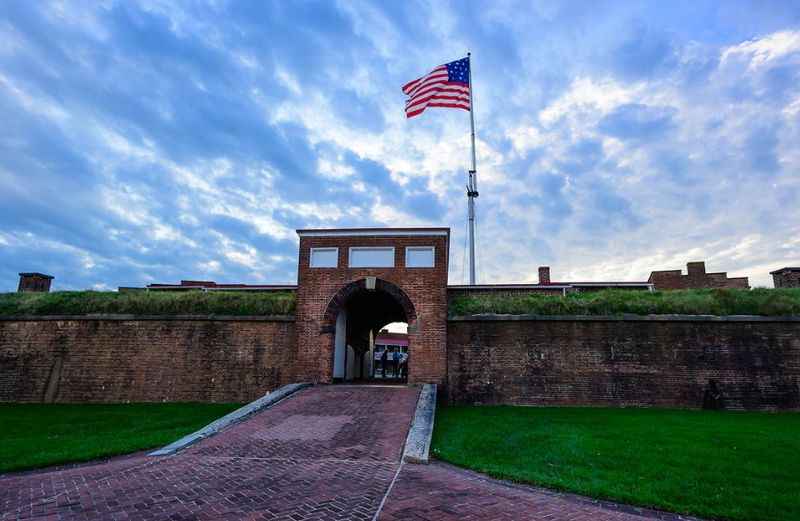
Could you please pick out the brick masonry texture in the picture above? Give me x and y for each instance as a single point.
(445, 493)
(728, 364)
(105, 360)
(425, 287)
(786, 278)
(36, 282)
(695, 278)
(669, 363)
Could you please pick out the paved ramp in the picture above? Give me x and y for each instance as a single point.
(328, 452)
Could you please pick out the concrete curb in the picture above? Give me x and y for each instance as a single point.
(231, 418)
(418, 441)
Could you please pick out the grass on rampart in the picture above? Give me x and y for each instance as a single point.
(40, 435)
(717, 465)
(767, 302)
(148, 303)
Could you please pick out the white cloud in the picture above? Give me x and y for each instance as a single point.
(587, 95)
(212, 266)
(759, 52)
(36, 104)
(288, 80)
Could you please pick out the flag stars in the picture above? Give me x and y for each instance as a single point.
(458, 71)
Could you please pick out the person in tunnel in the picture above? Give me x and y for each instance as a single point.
(383, 362)
(404, 366)
(396, 356)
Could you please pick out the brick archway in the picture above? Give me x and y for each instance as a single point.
(341, 298)
(353, 317)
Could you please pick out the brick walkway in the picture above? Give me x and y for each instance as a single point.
(442, 492)
(328, 452)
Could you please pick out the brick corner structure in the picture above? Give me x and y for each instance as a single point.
(352, 282)
(695, 278)
(34, 282)
(786, 277)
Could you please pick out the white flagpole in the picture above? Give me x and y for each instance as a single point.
(472, 182)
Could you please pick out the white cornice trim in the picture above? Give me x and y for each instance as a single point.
(373, 233)
(622, 284)
(509, 286)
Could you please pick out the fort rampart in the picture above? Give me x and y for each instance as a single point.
(144, 359)
(748, 363)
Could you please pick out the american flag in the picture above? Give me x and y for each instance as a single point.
(445, 86)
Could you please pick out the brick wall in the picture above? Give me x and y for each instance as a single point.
(751, 363)
(786, 278)
(665, 362)
(34, 282)
(425, 287)
(696, 278)
(116, 360)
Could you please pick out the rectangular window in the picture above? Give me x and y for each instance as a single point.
(420, 256)
(366, 257)
(324, 257)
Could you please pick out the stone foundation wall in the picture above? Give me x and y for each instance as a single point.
(687, 362)
(140, 359)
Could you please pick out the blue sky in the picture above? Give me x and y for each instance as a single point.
(149, 142)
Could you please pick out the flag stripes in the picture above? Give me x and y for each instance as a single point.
(446, 86)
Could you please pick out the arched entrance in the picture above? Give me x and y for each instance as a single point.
(356, 314)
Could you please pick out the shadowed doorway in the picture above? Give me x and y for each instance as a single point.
(360, 311)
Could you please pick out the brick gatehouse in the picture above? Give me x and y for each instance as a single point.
(352, 282)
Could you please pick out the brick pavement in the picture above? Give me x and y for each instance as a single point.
(328, 452)
(443, 492)
(338, 465)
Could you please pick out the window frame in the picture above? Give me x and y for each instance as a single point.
(326, 248)
(369, 248)
(418, 248)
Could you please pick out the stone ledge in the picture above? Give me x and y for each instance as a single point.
(229, 419)
(120, 317)
(494, 317)
(418, 441)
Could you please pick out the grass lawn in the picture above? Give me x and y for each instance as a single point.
(725, 465)
(148, 303)
(39, 435)
(761, 301)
